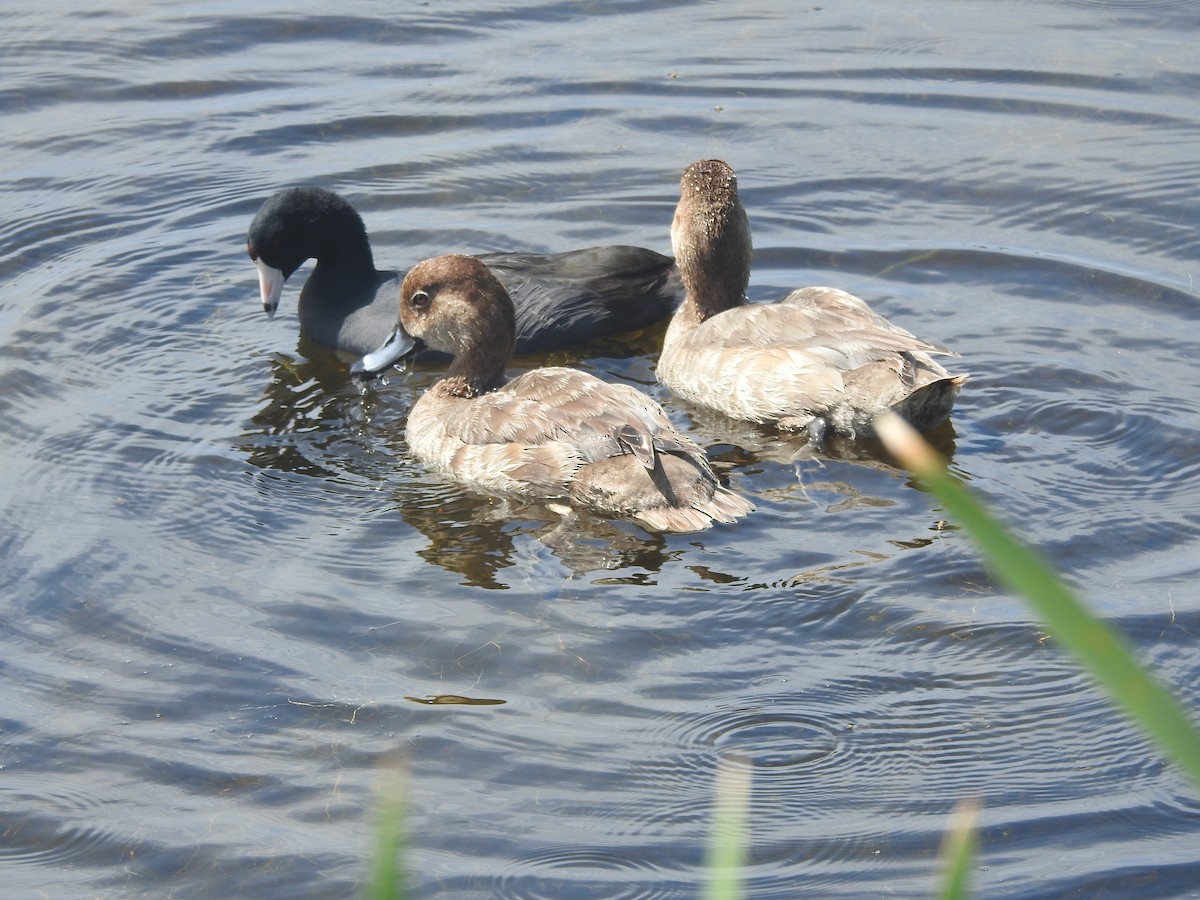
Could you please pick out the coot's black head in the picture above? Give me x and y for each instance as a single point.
(302, 223)
(298, 224)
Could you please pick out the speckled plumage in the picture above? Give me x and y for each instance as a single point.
(818, 359)
(550, 434)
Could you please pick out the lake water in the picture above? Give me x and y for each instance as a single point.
(228, 592)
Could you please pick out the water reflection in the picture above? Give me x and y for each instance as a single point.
(477, 537)
(761, 443)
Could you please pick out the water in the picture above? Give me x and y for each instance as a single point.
(225, 583)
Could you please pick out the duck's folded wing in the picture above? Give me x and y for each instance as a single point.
(822, 323)
(831, 311)
(559, 406)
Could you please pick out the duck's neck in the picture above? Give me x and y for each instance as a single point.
(477, 368)
(712, 249)
(700, 305)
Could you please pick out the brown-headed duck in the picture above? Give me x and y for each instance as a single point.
(553, 434)
(817, 360)
(562, 299)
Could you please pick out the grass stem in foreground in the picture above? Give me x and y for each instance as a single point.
(958, 850)
(1073, 626)
(727, 841)
(387, 881)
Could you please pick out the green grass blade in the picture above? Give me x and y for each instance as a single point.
(387, 882)
(1092, 642)
(727, 841)
(958, 851)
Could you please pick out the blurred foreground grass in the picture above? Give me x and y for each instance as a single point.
(1072, 625)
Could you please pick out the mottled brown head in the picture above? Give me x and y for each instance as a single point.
(456, 305)
(711, 237)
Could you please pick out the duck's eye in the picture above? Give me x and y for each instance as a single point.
(419, 300)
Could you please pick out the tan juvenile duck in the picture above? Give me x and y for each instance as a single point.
(552, 434)
(818, 359)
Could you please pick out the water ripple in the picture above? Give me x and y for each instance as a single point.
(42, 840)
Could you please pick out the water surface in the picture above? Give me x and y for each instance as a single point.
(225, 581)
